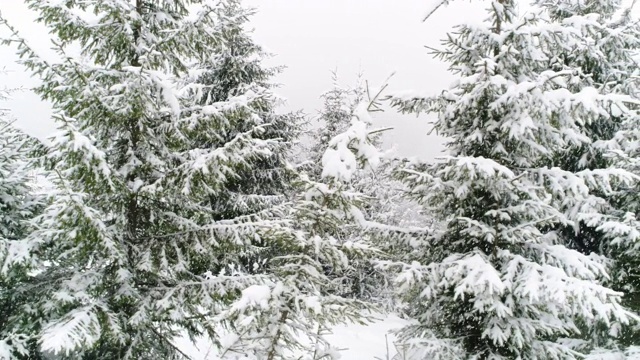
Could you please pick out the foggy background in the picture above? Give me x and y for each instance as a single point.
(311, 38)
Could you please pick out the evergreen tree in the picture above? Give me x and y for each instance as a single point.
(294, 315)
(338, 106)
(623, 245)
(126, 237)
(608, 63)
(19, 204)
(495, 280)
(131, 253)
(611, 40)
(383, 206)
(235, 68)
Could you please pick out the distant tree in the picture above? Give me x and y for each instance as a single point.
(338, 106)
(383, 205)
(289, 319)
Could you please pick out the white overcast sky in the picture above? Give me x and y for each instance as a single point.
(310, 37)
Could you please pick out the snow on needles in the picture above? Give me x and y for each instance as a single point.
(340, 160)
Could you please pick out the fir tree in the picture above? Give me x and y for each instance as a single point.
(128, 237)
(289, 319)
(495, 281)
(131, 251)
(382, 204)
(607, 59)
(19, 204)
(338, 106)
(623, 245)
(611, 40)
(234, 69)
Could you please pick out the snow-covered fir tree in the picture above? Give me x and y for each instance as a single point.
(235, 68)
(606, 59)
(382, 203)
(611, 39)
(495, 280)
(130, 252)
(623, 246)
(19, 204)
(338, 106)
(291, 319)
(127, 237)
